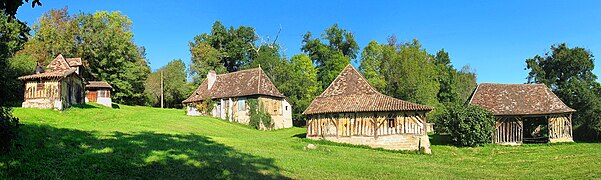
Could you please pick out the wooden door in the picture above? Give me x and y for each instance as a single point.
(92, 96)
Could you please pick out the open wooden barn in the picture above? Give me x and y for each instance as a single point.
(525, 113)
(351, 111)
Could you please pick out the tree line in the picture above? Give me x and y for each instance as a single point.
(404, 70)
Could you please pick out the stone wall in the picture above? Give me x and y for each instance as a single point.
(228, 110)
(192, 111)
(43, 104)
(392, 142)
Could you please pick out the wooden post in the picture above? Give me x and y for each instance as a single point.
(161, 89)
(571, 126)
(308, 127)
(375, 128)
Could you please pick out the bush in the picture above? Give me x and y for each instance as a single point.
(8, 128)
(258, 115)
(469, 125)
(205, 106)
(587, 125)
(438, 117)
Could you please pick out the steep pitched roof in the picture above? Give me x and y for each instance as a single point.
(518, 99)
(350, 92)
(61, 73)
(74, 62)
(58, 68)
(59, 63)
(236, 84)
(98, 84)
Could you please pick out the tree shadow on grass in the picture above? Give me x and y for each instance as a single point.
(84, 106)
(53, 153)
(301, 135)
(437, 139)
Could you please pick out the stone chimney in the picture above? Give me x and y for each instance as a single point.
(211, 78)
(38, 68)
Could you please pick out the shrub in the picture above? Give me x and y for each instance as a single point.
(205, 106)
(587, 125)
(258, 115)
(8, 128)
(469, 125)
(437, 116)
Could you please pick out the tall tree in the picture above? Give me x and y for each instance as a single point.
(447, 76)
(372, 58)
(297, 78)
(12, 37)
(332, 57)
(301, 85)
(105, 43)
(175, 88)
(569, 74)
(9, 7)
(222, 50)
(465, 83)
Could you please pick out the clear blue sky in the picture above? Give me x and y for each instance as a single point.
(493, 37)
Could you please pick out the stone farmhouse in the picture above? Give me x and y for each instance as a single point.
(231, 90)
(525, 113)
(56, 88)
(352, 111)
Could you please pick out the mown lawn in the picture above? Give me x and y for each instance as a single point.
(148, 143)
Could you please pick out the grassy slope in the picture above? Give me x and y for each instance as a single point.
(143, 142)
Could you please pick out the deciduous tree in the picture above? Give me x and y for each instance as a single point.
(105, 43)
(222, 50)
(175, 88)
(569, 74)
(332, 57)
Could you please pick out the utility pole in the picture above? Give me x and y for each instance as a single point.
(161, 89)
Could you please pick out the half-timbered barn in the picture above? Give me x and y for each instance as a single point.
(58, 87)
(231, 91)
(525, 113)
(352, 111)
(99, 92)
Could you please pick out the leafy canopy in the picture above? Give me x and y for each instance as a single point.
(105, 43)
(223, 50)
(568, 72)
(175, 86)
(332, 57)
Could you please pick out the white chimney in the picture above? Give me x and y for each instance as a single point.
(211, 77)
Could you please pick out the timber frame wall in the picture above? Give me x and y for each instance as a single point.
(366, 124)
(510, 129)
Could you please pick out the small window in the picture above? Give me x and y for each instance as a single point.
(40, 85)
(286, 108)
(391, 123)
(241, 104)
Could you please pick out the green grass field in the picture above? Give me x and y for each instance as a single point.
(148, 143)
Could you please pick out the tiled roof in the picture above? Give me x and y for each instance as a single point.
(518, 99)
(50, 74)
(98, 84)
(350, 92)
(59, 63)
(236, 84)
(58, 68)
(73, 62)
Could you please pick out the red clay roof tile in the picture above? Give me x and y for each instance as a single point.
(236, 84)
(350, 92)
(518, 99)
